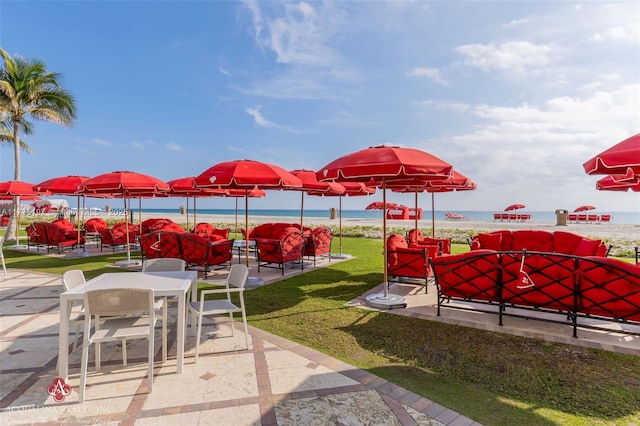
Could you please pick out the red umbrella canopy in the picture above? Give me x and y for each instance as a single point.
(352, 189)
(15, 188)
(124, 183)
(584, 208)
(385, 162)
(247, 174)
(610, 183)
(310, 182)
(185, 187)
(514, 207)
(379, 205)
(620, 159)
(65, 185)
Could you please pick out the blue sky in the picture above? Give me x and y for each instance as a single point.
(515, 95)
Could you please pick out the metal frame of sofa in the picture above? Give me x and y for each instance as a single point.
(288, 249)
(572, 286)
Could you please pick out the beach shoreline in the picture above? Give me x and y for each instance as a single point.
(608, 231)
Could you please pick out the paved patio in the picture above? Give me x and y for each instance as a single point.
(275, 382)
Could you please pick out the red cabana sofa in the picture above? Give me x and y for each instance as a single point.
(273, 230)
(528, 271)
(116, 236)
(278, 250)
(58, 235)
(194, 249)
(155, 224)
(419, 239)
(210, 232)
(405, 261)
(318, 243)
(95, 224)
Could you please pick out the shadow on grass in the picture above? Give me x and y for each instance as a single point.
(520, 378)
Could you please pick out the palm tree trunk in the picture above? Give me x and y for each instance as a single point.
(12, 226)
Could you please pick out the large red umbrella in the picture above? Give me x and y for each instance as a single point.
(247, 175)
(310, 183)
(621, 159)
(379, 205)
(351, 189)
(184, 187)
(584, 208)
(610, 183)
(123, 184)
(383, 164)
(16, 189)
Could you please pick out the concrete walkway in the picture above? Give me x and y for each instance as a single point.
(275, 382)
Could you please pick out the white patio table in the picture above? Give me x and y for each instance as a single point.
(163, 284)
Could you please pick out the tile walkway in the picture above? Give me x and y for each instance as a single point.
(275, 382)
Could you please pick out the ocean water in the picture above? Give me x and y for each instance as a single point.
(623, 218)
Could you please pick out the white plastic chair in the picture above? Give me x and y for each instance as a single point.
(119, 314)
(235, 283)
(164, 264)
(4, 267)
(72, 279)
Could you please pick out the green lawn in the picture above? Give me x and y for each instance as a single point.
(493, 378)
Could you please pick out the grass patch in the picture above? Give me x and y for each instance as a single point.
(493, 378)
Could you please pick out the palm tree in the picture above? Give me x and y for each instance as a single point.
(6, 134)
(28, 89)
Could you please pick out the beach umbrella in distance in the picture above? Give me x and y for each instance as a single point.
(351, 189)
(610, 183)
(380, 165)
(584, 208)
(379, 205)
(621, 159)
(512, 207)
(16, 189)
(247, 175)
(125, 185)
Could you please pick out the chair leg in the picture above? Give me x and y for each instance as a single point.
(83, 368)
(164, 330)
(97, 350)
(198, 332)
(124, 352)
(231, 322)
(150, 358)
(246, 329)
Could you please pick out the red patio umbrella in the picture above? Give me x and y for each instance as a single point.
(621, 159)
(379, 205)
(125, 185)
(514, 207)
(584, 208)
(310, 183)
(457, 182)
(351, 189)
(383, 164)
(247, 175)
(610, 183)
(184, 187)
(15, 189)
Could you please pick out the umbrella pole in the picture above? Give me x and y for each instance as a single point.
(236, 228)
(433, 215)
(188, 213)
(416, 217)
(340, 221)
(385, 300)
(194, 213)
(126, 223)
(384, 236)
(246, 222)
(301, 208)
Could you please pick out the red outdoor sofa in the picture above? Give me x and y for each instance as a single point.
(60, 234)
(524, 272)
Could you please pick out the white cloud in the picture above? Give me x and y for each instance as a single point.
(101, 142)
(453, 106)
(511, 57)
(431, 73)
(223, 71)
(619, 33)
(172, 146)
(137, 145)
(259, 119)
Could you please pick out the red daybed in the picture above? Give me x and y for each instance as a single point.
(116, 236)
(288, 247)
(405, 261)
(54, 235)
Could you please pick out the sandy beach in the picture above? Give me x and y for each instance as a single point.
(609, 231)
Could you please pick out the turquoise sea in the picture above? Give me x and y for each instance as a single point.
(626, 218)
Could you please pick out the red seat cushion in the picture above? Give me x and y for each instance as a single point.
(532, 240)
(490, 241)
(587, 247)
